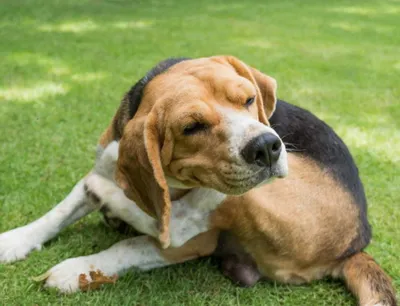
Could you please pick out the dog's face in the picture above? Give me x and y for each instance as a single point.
(214, 137)
(202, 123)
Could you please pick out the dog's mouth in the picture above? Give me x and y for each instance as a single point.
(231, 178)
(243, 183)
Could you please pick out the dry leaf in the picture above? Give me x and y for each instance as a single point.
(98, 279)
(41, 277)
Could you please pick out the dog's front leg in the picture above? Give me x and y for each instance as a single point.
(18, 243)
(189, 215)
(142, 253)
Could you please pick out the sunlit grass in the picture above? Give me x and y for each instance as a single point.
(35, 93)
(65, 65)
(73, 27)
(90, 25)
(131, 24)
(366, 10)
(88, 77)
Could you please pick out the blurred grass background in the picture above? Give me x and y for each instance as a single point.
(64, 65)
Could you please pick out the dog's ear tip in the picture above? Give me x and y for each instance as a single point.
(164, 239)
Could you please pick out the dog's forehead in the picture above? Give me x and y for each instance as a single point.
(200, 80)
(202, 68)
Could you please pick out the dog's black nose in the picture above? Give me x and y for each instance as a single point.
(263, 150)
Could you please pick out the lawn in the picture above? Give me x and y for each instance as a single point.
(65, 65)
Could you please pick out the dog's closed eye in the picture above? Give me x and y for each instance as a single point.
(250, 101)
(194, 128)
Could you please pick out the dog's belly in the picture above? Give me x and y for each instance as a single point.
(295, 228)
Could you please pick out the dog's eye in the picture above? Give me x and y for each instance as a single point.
(194, 128)
(249, 101)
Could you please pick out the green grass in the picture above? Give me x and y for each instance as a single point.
(65, 64)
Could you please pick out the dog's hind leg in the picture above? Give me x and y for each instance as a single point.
(16, 244)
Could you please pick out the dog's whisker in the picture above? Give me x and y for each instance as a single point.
(284, 136)
(290, 145)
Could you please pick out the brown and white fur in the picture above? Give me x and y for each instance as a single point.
(180, 164)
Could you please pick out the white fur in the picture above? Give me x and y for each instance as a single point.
(241, 129)
(18, 243)
(139, 252)
(190, 214)
(120, 206)
(189, 217)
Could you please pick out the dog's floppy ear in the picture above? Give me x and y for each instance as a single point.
(140, 173)
(266, 87)
(139, 168)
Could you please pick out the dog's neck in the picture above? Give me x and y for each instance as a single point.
(205, 199)
(176, 188)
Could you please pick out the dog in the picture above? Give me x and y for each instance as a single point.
(202, 159)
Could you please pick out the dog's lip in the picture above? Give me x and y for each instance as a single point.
(248, 182)
(258, 178)
(241, 179)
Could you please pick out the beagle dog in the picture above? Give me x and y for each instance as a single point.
(201, 158)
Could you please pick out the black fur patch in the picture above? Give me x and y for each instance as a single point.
(304, 133)
(136, 92)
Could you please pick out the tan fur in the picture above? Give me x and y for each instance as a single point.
(116, 128)
(367, 280)
(145, 153)
(266, 86)
(107, 137)
(199, 246)
(296, 232)
(140, 172)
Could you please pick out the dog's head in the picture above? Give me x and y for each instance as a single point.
(200, 123)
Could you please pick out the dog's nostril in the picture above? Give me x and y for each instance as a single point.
(263, 150)
(276, 147)
(260, 155)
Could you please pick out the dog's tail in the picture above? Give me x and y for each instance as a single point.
(366, 279)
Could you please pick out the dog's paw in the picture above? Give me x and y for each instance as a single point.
(65, 275)
(77, 274)
(17, 244)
